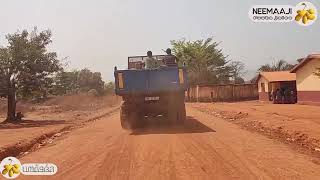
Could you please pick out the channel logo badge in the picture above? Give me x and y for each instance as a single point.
(10, 167)
(306, 13)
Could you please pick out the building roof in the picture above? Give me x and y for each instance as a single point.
(305, 61)
(229, 84)
(277, 76)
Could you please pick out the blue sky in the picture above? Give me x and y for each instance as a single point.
(102, 34)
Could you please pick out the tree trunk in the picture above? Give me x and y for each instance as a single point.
(11, 113)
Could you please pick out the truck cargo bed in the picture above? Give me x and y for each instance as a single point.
(150, 81)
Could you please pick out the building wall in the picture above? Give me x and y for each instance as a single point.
(266, 84)
(223, 92)
(263, 93)
(308, 84)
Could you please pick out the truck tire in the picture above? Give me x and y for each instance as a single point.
(124, 116)
(172, 109)
(176, 109)
(181, 114)
(130, 116)
(136, 120)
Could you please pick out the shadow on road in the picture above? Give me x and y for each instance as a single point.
(31, 123)
(191, 125)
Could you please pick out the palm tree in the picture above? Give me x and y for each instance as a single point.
(280, 65)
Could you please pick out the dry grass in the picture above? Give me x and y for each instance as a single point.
(83, 102)
(60, 104)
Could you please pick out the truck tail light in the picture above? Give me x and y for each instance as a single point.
(120, 81)
(181, 77)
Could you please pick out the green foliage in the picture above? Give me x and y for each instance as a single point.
(3, 83)
(90, 80)
(26, 64)
(93, 92)
(109, 87)
(4, 56)
(280, 65)
(75, 81)
(206, 63)
(65, 82)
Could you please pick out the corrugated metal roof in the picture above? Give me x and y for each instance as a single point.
(278, 76)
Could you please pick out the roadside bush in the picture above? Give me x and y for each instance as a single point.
(93, 92)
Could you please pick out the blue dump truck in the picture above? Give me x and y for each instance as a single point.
(151, 93)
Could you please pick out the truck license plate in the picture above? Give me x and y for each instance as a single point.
(152, 98)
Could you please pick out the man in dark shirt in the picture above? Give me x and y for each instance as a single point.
(170, 60)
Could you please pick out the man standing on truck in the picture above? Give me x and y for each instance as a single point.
(170, 60)
(150, 62)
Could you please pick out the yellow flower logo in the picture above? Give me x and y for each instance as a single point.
(305, 15)
(10, 167)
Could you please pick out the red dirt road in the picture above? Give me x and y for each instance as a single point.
(205, 148)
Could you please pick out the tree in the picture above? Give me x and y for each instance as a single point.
(75, 81)
(280, 65)
(239, 80)
(65, 82)
(300, 60)
(237, 71)
(254, 79)
(109, 87)
(26, 65)
(206, 63)
(3, 82)
(88, 80)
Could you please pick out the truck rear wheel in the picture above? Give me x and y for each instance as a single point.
(130, 117)
(136, 120)
(176, 109)
(124, 116)
(172, 109)
(181, 114)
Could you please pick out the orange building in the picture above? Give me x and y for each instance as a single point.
(308, 84)
(269, 82)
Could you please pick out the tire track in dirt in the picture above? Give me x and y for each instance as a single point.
(221, 165)
(120, 155)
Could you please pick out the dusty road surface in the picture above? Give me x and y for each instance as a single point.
(206, 147)
(293, 123)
